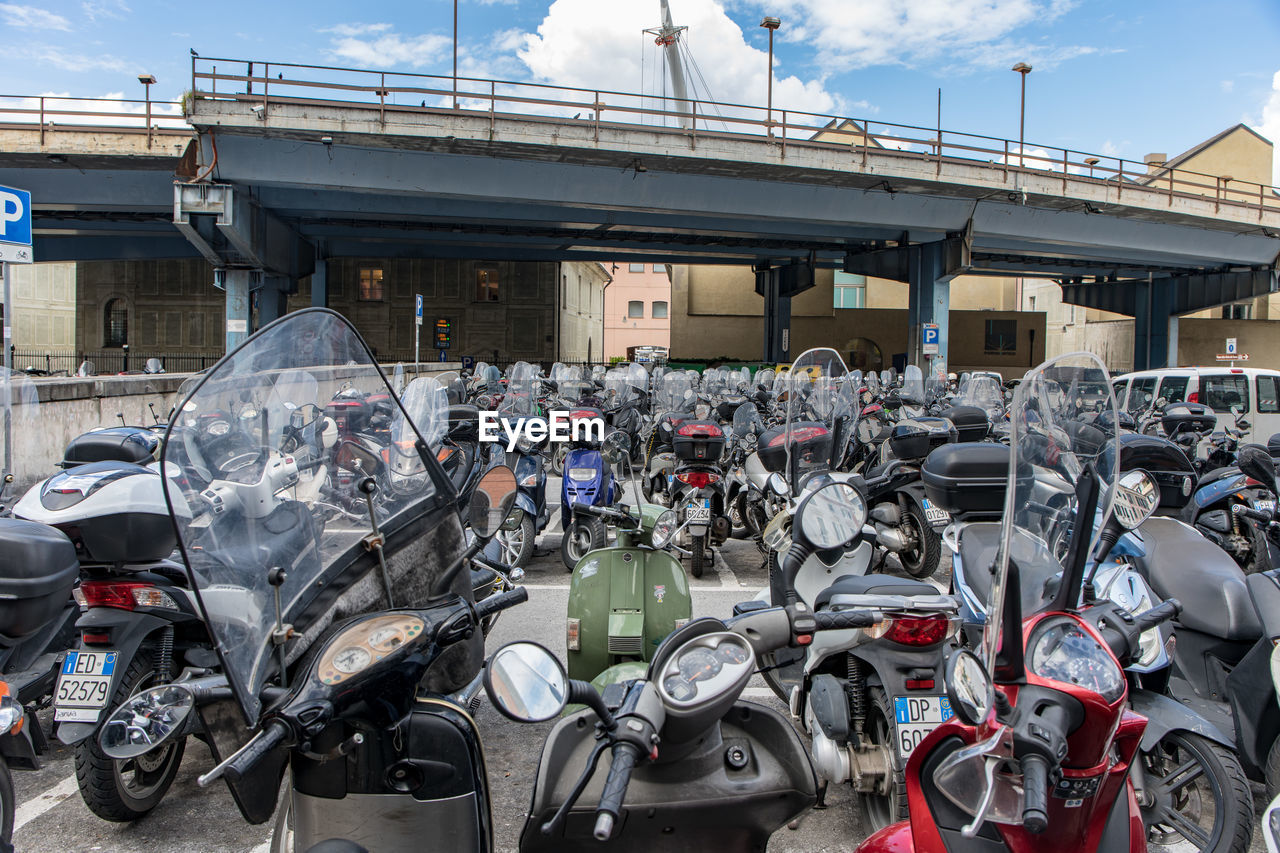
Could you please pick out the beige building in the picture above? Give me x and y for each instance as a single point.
(637, 308)
(44, 315)
(583, 301)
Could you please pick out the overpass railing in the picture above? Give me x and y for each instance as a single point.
(52, 114)
(393, 93)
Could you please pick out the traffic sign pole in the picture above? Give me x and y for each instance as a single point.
(417, 332)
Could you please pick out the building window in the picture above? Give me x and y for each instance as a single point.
(487, 284)
(1238, 311)
(1221, 392)
(370, 284)
(115, 324)
(635, 267)
(635, 308)
(1001, 337)
(659, 268)
(659, 310)
(850, 291)
(1268, 395)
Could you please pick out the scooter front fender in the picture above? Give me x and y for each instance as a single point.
(894, 838)
(1166, 715)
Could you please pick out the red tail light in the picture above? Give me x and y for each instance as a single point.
(118, 594)
(573, 416)
(918, 630)
(96, 638)
(697, 430)
(698, 479)
(1193, 397)
(800, 434)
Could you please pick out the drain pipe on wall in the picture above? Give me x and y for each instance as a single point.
(604, 311)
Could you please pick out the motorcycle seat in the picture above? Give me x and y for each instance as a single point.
(874, 585)
(1215, 597)
(979, 543)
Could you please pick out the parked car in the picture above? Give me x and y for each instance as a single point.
(1256, 391)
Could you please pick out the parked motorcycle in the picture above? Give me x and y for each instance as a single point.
(520, 406)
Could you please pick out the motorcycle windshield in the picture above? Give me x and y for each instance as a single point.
(618, 390)
(747, 421)
(764, 378)
(247, 521)
(984, 392)
(1056, 435)
(21, 403)
(912, 385)
(816, 390)
(673, 392)
(522, 391)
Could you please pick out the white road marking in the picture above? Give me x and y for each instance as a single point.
(759, 693)
(263, 847)
(727, 578)
(32, 809)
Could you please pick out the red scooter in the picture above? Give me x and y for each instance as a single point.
(1039, 754)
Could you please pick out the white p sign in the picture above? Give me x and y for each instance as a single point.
(15, 216)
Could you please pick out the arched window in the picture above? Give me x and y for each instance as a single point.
(115, 323)
(864, 355)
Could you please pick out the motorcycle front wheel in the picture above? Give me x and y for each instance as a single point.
(922, 560)
(583, 535)
(517, 545)
(1196, 797)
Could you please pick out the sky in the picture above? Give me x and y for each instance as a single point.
(1113, 78)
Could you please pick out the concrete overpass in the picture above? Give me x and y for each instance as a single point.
(291, 165)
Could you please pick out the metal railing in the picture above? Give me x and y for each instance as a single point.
(53, 113)
(64, 362)
(265, 84)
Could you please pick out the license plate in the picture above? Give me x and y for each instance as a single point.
(933, 515)
(916, 717)
(1265, 506)
(84, 684)
(699, 513)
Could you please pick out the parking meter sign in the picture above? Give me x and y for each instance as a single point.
(929, 338)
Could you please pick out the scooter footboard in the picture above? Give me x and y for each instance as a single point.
(729, 792)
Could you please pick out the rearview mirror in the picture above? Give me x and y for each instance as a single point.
(526, 683)
(969, 687)
(617, 446)
(145, 721)
(492, 500)
(1137, 496)
(357, 459)
(1255, 461)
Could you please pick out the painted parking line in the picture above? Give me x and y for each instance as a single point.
(32, 809)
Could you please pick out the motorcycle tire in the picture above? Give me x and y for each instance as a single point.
(7, 807)
(517, 545)
(557, 460)
(738, 518)
(1227, 787)
(122, 791)
(583, 535)
(922, 561)
(880, 810)
(697, 556)
(1272, 771)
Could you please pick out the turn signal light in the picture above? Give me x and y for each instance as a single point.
(125, 595)
(698, 479)
(573, 636)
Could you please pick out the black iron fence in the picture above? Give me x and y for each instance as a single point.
(67, 362)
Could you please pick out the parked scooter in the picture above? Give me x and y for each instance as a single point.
(519, 534)
(355, 613)
(588, 480)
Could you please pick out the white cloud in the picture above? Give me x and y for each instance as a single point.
(356, 29)
(594, 45)
(376, 46)
(68, 61)
(1269, 125)
(95, 9)
(30, 17)
(954, 35)
(1228, 86)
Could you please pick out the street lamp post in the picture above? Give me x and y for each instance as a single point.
(146, 80)
(1024, 69)
(770, 24)
(455, 54)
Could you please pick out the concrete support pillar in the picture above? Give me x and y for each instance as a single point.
(928, 301)
(1155, 327)
(777, 317)
(238, 284)
(273, 299)
(320, 283)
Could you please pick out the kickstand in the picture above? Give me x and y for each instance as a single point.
(822, 798)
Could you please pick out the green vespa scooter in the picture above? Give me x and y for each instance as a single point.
(624, 599)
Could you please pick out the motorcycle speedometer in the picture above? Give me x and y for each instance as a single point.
(1060, 649)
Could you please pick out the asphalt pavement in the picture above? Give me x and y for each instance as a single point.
(52, 817)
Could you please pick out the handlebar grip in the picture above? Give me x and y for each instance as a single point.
(494, 565)
(1250, 512)
(1162, 612)
(615, 789)
(502, 601)
(311, 465)
(834, 620)
(1035, 794)
(255, 750)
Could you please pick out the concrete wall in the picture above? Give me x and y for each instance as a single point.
(582, 310)
(716, 313)
(652, 284)
(172, 305)
(1199, 341)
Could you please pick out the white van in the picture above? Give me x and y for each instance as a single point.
(1255, 390)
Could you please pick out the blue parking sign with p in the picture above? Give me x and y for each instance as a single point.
(417, 305)
(930, 333)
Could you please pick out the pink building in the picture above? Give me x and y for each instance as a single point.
(637, 306)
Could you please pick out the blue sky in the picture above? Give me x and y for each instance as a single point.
(1120, 78)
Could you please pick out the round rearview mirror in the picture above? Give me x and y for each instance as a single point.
(492, 500)
(617, 445)
(1137, 496)
(832, 516)
(969, 687)
(778, 484)
(526, 683)
(145, 721)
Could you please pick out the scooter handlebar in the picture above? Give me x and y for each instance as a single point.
(615, 789)
(502, 601)
(1035, 794)
(835, 620)
(238, 765)
(1157, 615)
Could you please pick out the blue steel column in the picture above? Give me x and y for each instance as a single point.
(928, 301)
(237, 284)
(272, 299)
(1152, 322)
(320, 283)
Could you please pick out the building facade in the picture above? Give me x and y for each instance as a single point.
(637, 308)
(583, 289)
(44, 313)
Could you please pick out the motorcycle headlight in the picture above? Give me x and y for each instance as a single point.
(582, 475)
(11, 715)
(1060, 649)
(663, 529)
(514, 519)
(777, 533)
(529, 480)
(524, 445)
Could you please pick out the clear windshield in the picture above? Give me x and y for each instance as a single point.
(816, 391)
(618, 388)
(981, 391)
(19, 455)
(254, 514)
(522, 391)
(912, 385)
(1054, 438)
(397, 378)
(764, 378)
(558, 371)
(673, 392)
(747, 421)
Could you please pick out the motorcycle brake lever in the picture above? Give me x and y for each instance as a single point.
(550, 827)
(990, 763)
